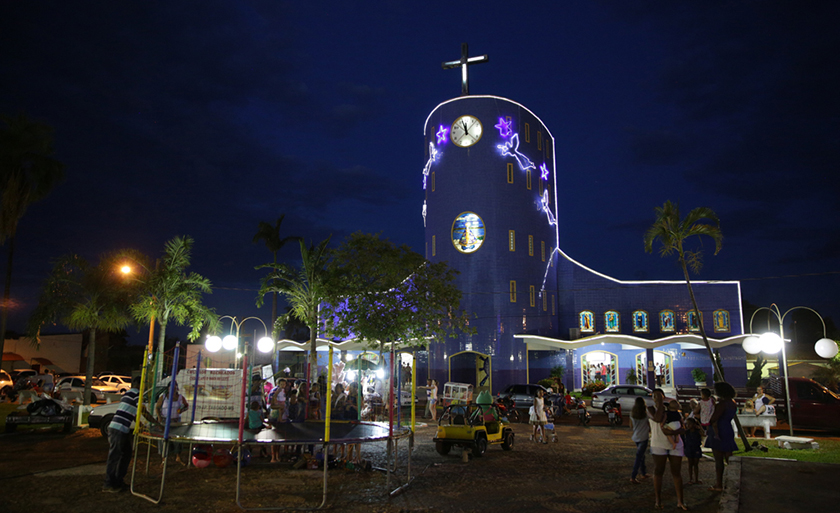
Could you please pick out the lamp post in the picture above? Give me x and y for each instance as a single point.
(771, 343)
(231, 342)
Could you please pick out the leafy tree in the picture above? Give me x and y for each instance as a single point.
(755, 375)
(271, 235)
(304, 289)
(829, 375)
(382, 293)
(83, 297)
(673, 233)
(170, 293)
(28, 172)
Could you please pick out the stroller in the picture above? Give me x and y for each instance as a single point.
(549, 429)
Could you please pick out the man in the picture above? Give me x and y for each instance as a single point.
(120, 440)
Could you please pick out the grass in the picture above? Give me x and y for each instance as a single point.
(829, 451)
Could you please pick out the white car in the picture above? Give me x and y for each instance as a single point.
(98, 388)
(123, 383)
(5, 379)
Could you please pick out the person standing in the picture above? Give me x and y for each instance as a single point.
(538, 418)
(663, 451)
(162, 410)
(720, 437)
(641, 436)
(120, 440)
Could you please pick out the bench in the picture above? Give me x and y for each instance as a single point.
(764, 422)
(13, 420)
(796, 442)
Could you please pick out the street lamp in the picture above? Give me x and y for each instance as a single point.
(771, 343)
(230, 342)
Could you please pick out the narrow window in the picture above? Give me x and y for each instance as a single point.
(542, 250)
(510, 172)
(539, 140)
(433, 181)
(528, 179)
(511, 240)
(530, 245)
(527, 132)
(427, 251)
(541, 186)
(512, 291)
(545, 301)
(547, 150)
(552, 305)
(433, 245)
(531, 294)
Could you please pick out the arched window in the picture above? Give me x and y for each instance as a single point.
(587, 322)
(721, 320)
(640, 322)
(667, 321)
(611, 322)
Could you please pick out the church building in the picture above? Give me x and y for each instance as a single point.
(490, 212)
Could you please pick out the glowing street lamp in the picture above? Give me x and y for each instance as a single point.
(230, 342)
(772, 343)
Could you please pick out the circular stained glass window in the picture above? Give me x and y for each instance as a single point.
(467, 232)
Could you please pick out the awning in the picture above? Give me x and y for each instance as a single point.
(40, 361)
(12, 357)
(685, 340)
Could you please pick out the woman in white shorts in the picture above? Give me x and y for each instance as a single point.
(663, 450)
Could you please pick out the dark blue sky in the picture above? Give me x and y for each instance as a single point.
(204, 118)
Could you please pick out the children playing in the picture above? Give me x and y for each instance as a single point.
(694, 434)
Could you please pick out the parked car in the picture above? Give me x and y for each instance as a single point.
(522, 394)
(625, 394)
(812, 405)
(98, 388)
(123, 383)
(5, 379)
(101, 416)
(20, 374)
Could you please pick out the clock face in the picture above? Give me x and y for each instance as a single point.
(466, 131)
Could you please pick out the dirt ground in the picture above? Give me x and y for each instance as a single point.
(587, 470)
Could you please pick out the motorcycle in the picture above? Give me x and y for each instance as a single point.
(507, 408)
(583, 416)
(613, 410)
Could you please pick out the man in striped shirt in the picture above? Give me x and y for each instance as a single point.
(120, 440)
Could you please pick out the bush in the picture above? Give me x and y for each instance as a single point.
(698, 375)
(547, 383)
(592, 387)
(631, 377)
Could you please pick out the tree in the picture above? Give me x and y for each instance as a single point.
(271, 235)
(27, 174)
(384, 293)
(829, 375)
(169, 293)
(673, 233)
(304, 289)
(83, 297)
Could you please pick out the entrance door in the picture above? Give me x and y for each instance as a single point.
(599, 366)
(662, 366)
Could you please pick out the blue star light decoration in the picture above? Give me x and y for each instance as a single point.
(511, 149)
(544, 171)
(441, 134)
(504, 127)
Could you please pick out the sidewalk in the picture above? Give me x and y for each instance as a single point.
(761, 485)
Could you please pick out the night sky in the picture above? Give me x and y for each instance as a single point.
(204, 118)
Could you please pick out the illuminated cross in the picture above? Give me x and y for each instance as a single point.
(463, 62)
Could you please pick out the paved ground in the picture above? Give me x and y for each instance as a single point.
(587, 471)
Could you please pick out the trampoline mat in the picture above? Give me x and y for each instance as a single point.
(288, 432)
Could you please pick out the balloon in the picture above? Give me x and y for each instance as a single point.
(201, 460)
(222, 458)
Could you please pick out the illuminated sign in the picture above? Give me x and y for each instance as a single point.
(511, 149)
(467, 232)
(441, 134)
(504, 127)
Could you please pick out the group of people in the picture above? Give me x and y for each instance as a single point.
(599, 372)
(673, 435)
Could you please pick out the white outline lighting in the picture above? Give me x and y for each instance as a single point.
(432, 156)
(545, 208)
(524, 162)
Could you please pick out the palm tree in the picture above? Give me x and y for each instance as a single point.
(304, 289)
(27, 174)
(83, 297)
(271, 235)
(672, 233)
(169, 293)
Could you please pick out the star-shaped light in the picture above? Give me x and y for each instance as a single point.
(504, 127)
(441, 134)
(543, 171)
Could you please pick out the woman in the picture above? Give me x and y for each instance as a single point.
(720, 437)
(664, 451)
(538, 418)
(641, 434)
(433, 394)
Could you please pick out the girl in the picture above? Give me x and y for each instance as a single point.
(433, 399)
(664, 452)
(641, 432)
(693, 436)
(538, 418)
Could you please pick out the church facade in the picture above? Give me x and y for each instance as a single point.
(490, 212)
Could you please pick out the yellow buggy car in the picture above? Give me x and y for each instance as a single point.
(474, 427)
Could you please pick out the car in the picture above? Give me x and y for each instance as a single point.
(5, 379)
(21, 374)
(522, 394)
(77, 384)
(123, 383)
(472, 427)
(625, 395)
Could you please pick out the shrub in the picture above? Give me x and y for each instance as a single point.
(631, 377)
(547, 383)
(698, 375)
(592, 387)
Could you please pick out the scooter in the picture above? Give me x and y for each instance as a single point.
(613, 410)
(583, 416)
(507, 408)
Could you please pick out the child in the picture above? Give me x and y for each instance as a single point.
(694, 434)
(673, 420)
(706, 407)
(255, 421)
(749, 407)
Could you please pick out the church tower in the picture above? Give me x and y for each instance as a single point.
(490, 212)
